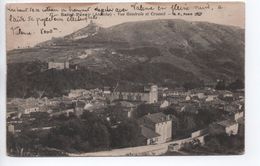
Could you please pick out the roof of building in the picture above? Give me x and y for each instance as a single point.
(157, 117)
(190, 108)
(59, 60)
(11, 107)
(80, 104)
(134, 89)
(78, 90)
(241, 120)
(27, 106)
(95, 106)
(126, 104)
(88, 105)
(226, 123)
(148, 133)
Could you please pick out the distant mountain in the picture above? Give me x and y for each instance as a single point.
(161, 50)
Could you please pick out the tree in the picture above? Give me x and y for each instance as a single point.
(90, 133)
(21, 144)
(193, 84)
(10, 143)
(66, 136)
(116, 114)
(145, 109)
(91, 118)
(127, 134)
(238, 84)
(96, 130)
(221, 85)
(99, 136)
(207, 116)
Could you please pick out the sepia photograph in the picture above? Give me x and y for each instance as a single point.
(125, 79)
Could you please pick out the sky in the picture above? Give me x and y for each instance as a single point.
(227, 13)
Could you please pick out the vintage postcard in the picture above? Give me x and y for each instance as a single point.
(125, 79)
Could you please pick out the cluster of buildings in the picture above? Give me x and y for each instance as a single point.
(148, 95)
(156, 128)
(61, 65)
(231, 126)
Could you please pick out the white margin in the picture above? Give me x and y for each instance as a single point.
(252, 135)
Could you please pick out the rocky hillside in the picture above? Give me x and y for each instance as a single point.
(175, 50)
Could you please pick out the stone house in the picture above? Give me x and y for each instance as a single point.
(149, 95)
(159, 123)
(27, 109)
(230, 127)
(59, 65)
(150, 137)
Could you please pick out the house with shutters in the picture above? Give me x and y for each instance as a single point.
(156, 128)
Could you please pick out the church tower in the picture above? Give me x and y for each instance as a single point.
(153, 94)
